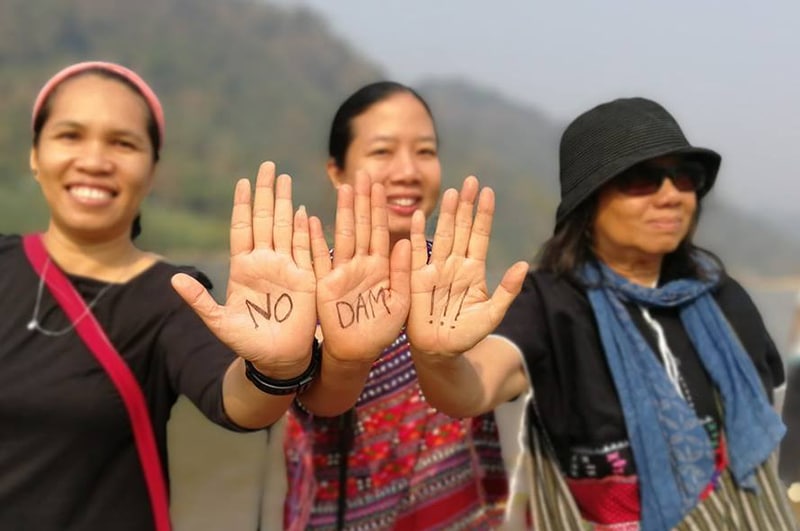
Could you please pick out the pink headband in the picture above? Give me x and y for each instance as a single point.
(148, 94)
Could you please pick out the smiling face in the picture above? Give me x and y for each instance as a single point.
(632, 229)
(394, 141)
(94, 158)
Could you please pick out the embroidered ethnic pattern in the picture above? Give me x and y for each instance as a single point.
(409, 468)
(604, 484)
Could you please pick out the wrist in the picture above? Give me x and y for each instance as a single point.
(433, 357)
(283, 371)
(286, 386)
(343, 372)
(333, 358)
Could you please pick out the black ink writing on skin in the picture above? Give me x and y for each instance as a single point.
(281, 310)
(447, 302)
(362, 309)
(381, 296)
(433, 297)
(446, 305)
(460, 305)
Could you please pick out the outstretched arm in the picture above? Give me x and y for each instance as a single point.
(362, 295)
(269, 315)
(461, 371)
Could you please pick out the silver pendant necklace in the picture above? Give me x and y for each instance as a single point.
(34, 324)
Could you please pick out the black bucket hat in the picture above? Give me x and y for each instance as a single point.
(614, 136)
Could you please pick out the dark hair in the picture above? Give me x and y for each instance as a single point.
(359, 102)
(571, 246)
(152, 126)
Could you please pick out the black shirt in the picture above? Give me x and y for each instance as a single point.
(67, 456)
(552, 323)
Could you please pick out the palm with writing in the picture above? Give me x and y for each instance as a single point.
(362, 293)
(451, 309)
(269, 315)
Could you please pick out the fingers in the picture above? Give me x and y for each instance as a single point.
(301, 240)
(319, 248)
(344, 241)
(241, 219)
(198, 298)
(362, 222)
(284, 215)
(379, 240)
(443, 238)
(466, 203)
(363, 215)
(400, 267)
(419, 244)
(482, 228)
(264, 206)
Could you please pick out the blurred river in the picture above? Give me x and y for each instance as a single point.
(222, 481)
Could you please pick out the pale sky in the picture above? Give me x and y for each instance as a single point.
(728, 70)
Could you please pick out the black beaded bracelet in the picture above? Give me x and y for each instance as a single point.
(298, 384)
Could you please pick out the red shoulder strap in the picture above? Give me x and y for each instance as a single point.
(95, 338)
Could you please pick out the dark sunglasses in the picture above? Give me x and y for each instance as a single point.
(646, 179)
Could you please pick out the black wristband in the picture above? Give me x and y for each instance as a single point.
(298, 384)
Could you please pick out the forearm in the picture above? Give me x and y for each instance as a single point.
(246, 405)
(452, 385)
(337, 387)
(472, 383)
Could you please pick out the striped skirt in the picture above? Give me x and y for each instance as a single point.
(728, 508)
(538, 485)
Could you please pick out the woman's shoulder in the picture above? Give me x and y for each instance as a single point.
(152, 291)
(546, 297)
(9, 242)
(554, 288)
(739, 308)
(12, 256)
(163, 269)
(729, 293)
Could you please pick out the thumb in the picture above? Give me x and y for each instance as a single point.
(508, 289)
(198, 298)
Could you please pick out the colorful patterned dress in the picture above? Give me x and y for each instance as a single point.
(408, 467)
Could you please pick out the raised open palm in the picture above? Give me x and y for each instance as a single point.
(451, 309)
(269, 315)
(362, 293)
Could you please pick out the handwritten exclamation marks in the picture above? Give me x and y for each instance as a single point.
(433, 298)
(460, 305)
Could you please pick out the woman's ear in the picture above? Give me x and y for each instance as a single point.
(34, 164)
(152, 181)
(335, 173)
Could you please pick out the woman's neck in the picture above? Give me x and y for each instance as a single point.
(111, 260)
(637, 268)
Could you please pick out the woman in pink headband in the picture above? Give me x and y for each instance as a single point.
(111, 70)
(155, 117)
(96, 345)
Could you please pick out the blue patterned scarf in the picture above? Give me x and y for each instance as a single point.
(671, 448)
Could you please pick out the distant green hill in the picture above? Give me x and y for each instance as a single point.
(243, 81)
(240, 82)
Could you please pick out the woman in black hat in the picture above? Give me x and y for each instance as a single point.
(652, 369)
